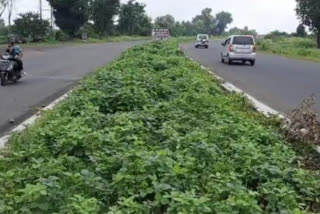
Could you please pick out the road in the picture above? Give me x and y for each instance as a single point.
(50, 73)
(277, 81)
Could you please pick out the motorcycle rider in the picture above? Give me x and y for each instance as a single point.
(16, 52)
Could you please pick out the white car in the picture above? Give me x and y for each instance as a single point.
(239, 48)
(202, 41)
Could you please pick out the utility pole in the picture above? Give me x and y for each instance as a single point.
(40, 5)
(51, 18)
(10, 7)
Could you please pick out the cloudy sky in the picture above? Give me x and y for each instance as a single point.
(262, 15)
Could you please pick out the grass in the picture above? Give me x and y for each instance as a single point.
(219, 37)
(154, 133)
(292, 47)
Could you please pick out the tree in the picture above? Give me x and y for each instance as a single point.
(144, 26)
(223, 19)
(301, 31)
(177, 29)
(103, 13)
(3, 6)
(30, 25)
(235, 31)
(133, 19)
(2, 23)
(205, 23)
(244, 31)
(70, 15)
(9, 5)
(247, 31)
(309, 13)
(167, 22)
(276, 33)
(185, 29)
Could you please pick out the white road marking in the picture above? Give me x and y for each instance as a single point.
(259, 106)
(30, 121)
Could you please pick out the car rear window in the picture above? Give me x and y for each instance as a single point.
(203, 37)
(243, 40)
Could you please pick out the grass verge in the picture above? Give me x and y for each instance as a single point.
(154, 133)
(292, 47)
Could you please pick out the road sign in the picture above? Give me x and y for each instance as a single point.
(160, 34)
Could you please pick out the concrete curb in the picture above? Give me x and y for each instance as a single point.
(32, 120)
(259, 106)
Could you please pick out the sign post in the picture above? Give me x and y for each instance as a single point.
(160, 34)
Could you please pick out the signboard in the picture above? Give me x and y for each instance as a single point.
(160, 34)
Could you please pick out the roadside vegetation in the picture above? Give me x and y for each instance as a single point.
(154, 133)
(293, 47)
(95, 22)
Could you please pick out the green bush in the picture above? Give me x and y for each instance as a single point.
(291, 46)
(61, 36)
(30, 25)
(304, 43)
(154, 133)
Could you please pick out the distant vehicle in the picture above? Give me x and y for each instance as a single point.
(17, 39)
(239, 48)
(202, 41)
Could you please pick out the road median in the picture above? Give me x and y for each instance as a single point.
(154, 133)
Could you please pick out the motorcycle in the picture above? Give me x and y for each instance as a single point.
(8, 71)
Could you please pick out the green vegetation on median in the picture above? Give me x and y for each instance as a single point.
(293, 47)
(154, 133)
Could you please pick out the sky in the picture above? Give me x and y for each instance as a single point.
(262, 15)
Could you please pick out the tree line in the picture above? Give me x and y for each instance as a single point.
(101, 18)
(110, 17)
(71, 15)
(206, 22)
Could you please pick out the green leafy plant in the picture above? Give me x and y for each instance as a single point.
(154, 133)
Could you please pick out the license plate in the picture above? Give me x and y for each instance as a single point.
(244, 50)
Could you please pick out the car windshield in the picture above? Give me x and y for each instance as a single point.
(201, 37)
(243, 40)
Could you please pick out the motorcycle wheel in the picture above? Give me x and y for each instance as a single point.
(4, 79)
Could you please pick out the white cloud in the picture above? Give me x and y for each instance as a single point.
(262, 15)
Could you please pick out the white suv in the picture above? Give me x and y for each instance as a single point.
(239, 48)
(202, 41)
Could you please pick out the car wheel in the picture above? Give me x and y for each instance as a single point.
(222, 59)
(196, 46)
(229, 61)
(207, 47)
(252, 62)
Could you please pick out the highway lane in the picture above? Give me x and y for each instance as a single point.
(51, 73)
(277, 81)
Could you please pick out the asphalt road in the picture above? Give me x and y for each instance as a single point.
(50, 73)
(277, 81)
